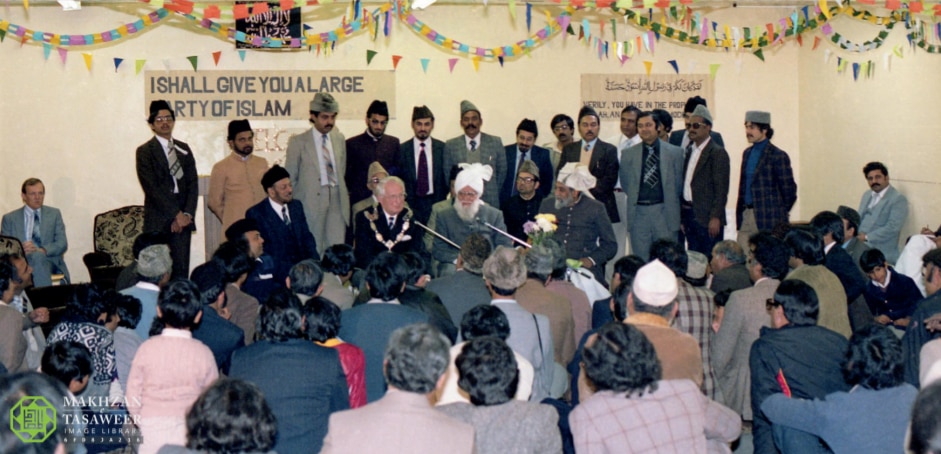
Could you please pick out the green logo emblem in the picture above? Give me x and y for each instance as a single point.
(33, 419)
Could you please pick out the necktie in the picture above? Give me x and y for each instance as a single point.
(37, 239)
(285, 215)
(473, 144)
(391, 221)
(422, 171)
(650, 167)
(520, 164)
(587, 148)
(176, 169)
(328, 163)
(689, 153)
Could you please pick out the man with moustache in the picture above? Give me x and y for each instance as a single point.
(523, 207)
(477, 147)
(468, 214)
(563, 128)
(705, 185)
(316, 161)
(166, 170)
(882, 212)
(525, 149)
(680, 137)
(600, 157)
(422, 166)
(627, 138)
(583, 226)
(235, 181)
(766, 187)
(368, 147)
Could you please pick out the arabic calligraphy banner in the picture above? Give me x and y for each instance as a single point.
(610, 93)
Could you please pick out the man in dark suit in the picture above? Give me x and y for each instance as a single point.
(680, 137)
(422, 166)
(41, 230)
(525, 149)
(167, 173)
(387, 226)
(766, 187)
(652, 176)
(829, 226)
(465, 289)
(372, 145)
(851, 244)
(600, 157)
(215, 330)
(705, 185)
(475, 146)
(282, 223)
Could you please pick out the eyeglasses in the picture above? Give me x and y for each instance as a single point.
(696, 125)
(562, 127)
(525, 179)
(374, 180)
(771, 304)
(163, 119)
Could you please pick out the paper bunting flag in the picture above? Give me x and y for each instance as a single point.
(476, 62)
(424, 65)
(138, 65)
(212, 12)
(511, 4)
(46, 50)
(648, 65)
(500, 59)
(240, 11)
(216, 56)
(529, 16)
(897, 50)
(287, 4)
(855, 71)
(893, 4)
(676, 67)
(117, 63)
(886, 59)
(63, 54)
(25, 4)
(451, 63)
(651, 41)
(760, 54)
(586, 29)
(87, 58)
(826, 55)
(194, 61)
(713, 69)
(843, 65)
(824, 9)
(3, 34)
(816, 42)
(614, 29)
(369, 56)
(242, 54)
(395, 61)
(800, 41)
(259, 8)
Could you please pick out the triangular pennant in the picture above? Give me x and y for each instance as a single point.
(529, 17)
(648, 65)
(451, 63)
(194, 61)
(855, 71)
(760, 54)
(46, 49)
(63, 54)
(713, 69)
(586, 28)
(424, 65)
(117, 63)
(369, 56)
(816, 42)
(614, 29)
(242, 55)
(3, 34)
(395, 61)
(87, 58)
(138, 65)
(512, 5)
(800, 41)
(476, 62)
(676, 67)
(25, 4)
(216, 56)
(500, 59)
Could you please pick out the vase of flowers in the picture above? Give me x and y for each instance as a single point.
(542, 227)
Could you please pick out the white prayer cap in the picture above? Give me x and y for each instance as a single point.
(655, 284)
(473, 175)
(578, 177)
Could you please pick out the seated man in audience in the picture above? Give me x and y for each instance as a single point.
(42, 232)
(728, 267)
(558, 284)
(31, 330)
(306, 280)
(623, 367)
(126, 340)
(302, 382)
(404, 420)
(779, 363)
(534, 297)
(387, 226)
(243, 307)
(128, 275)
(829, 226)
(919, 331)
(742, 321)
(338, 265)
(417, 296)
(323, 325)
(215, 329)
(909, 262)
(891, 296)
(12, 341)
(925, 430)
(465, 289)
(624, 269)
(806, 264)
(154, 267)
(851, 244)
(260, 282)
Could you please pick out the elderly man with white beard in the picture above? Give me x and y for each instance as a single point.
(469, 214)
(585, 230)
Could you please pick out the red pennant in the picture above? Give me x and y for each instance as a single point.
(800, 41)
(212, 12)
(770, 32)
(216, 55)
(287, 4)
(259, 8)
(816, 42)
(395, 61)
(240, 11)
(893, 4)
(916, 7)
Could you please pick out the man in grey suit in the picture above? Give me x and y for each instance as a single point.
(477, 147)
(316, 161)
(42, 232)
(882, 211)
(652, 173)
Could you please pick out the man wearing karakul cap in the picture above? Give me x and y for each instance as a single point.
(153, 272)
(316, 161)
(584, 230)
(370, 146)
(475, 146)
(235, 181)
(468, 214)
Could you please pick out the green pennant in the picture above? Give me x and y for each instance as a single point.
(369, 56)
(758, 53)
(194, 61)
(3, 34)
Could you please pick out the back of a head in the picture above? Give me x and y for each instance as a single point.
(210, 279)
(231, 416)
(415, 266)
(874, 358)
(179, 303)
(474, 252)
(386, 275)
(620, 295)
(66, 361)
(628, 266)
(306, 277)
(127, 307)
(932, 257)
(621, 359)
(280, 318)
(45, 412)
(926, 421)
(416, 357)
(323, 319)
(806, 246)
(234, 260)
(487, 371)
(8, 275)
(799, 302)
(87, 303)
(338, 259)
(671, 254)
(771, 253)
(484, 321)
(505, 270)
(828, 222)
(731, 250)
(540, 260)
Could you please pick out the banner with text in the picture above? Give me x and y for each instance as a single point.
(266, 95)
(608, 94)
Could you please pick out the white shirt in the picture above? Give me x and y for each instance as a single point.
(623, 143)
(877, 196)
(166, 151)
(319, 143)
(691, 168)
(428, 144)
(888, 277)
(276, 207)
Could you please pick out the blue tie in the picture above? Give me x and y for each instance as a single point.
(37, 239)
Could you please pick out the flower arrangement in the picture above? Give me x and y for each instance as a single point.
(541, 228)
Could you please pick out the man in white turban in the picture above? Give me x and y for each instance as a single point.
(585, 230)
(468, 214)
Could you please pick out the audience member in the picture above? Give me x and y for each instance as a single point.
(806, 264)
(851, 244)
(12, 340)
(215, 328)
(523, 205)
(306, 280)
(624, 268)
(891, 296)
(465, 289)
(70, 364)
(417, 296)
(49, 436)
(829, 226)
(323, 325)
(154, 267)
(557, 283)
(338, 266)
(926, 421)
(728, 267)
(919, 331)
(126, 340)
(260, 282)
(40, 229)
(242, 306)
(535, 298)
(128, 275)
(33, 319)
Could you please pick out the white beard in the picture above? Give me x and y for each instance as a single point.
(470, 213)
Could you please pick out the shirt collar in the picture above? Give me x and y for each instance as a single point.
(379, 301)
(147, 286)
(275, 205)
(888, 278)
(174, 332)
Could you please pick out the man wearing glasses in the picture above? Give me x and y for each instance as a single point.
(525, 149)
(523, 207)
(705, 185)
(167, 174)
(563, 128)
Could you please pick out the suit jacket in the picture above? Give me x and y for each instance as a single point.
(361, 151)
(457, 230)
(439, 178)
(399, 422)
(303, 164)
(584, 231)
(536, 298)
(513, 426)
(604, 166)
(460, 292)
(51, 231)
(336, 292)
(302, 382)
(676, 138)
(244, 309)
(671, 177)
(287, 245)
(367, 246)
(833, 308)
(220, 335)
(161, 205)
(710, 184)
(13, 346)
(531, 336)
(428, 303)
(841, 264)
(856, 248)
(538, 155)
(883, 222)
(490, 152)
(773, 188)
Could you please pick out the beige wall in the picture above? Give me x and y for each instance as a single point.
(77, 130)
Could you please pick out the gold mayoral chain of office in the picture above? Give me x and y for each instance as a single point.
(389, 244)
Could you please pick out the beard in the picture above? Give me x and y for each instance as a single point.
(469, 213)
(564, 202)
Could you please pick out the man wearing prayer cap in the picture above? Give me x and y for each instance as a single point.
(371, 146)
(422, 168)
(705, 185)
(525, 149)
(468, 214)
(524, 205)
(375, 174)
(316, 161)
(283, 224)
(475, 146)
(680, 137)
(600, 157)
(154, 266)
(584, 229)
(167, 174)
(766, 187)
(235, 181)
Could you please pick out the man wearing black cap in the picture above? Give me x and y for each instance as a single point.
(600, 157)
(167, 173)
(235, 181)
(245, 234)
(372, 145)
(422, 167)
(525, 149)
(281, 221)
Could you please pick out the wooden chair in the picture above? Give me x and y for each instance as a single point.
(114, 236)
